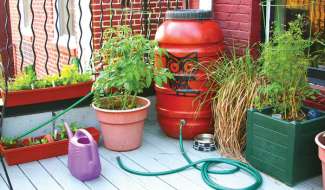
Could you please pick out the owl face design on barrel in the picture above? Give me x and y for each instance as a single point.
(183, 69)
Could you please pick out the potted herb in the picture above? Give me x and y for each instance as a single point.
(27, 89)
(129, 69)
(42, 147)
(282, 146)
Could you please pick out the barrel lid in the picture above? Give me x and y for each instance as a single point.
(189, 14)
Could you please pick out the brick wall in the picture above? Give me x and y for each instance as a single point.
(39, 45)
(156, 8)
(239, 20)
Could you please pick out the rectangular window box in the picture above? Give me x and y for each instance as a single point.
(44, 95)
(41, 151)
(284, 150)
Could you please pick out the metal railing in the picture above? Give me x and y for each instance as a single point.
(35, 44)
(47, 34)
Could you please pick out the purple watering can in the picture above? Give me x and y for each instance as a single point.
(83, 157)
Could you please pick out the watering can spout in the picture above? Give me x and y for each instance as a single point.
(67, 128)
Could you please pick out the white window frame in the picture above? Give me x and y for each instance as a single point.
(64, 38)
(26, 31)
(205, 5)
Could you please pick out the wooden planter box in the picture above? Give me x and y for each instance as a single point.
(43, 95)
(284, 150)
(41, 151)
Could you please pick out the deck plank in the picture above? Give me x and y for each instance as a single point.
(158, 153)
(62, 174)
(157, 137)
(148, 182)
(3, 185)
(17, 178)
(144, 157)
(101, 183)
(39, 176)
(171, 161)
(171, 145)
(117, 177)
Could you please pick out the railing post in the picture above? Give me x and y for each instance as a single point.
(145, 17)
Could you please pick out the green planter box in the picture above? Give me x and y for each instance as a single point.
(281, 149)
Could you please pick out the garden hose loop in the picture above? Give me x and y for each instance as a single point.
(203, 166)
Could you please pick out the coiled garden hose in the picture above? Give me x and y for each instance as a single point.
(203, 166)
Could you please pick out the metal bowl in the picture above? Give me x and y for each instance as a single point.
(204, 138)
(204, 142)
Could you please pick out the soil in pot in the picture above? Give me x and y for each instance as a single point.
(123, 129)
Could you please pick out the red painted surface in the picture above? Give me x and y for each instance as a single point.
(5, 36)
(42, 151)
(187, 42)
(319, 101)
(36, 96)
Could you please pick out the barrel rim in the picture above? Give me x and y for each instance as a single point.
(189, 14)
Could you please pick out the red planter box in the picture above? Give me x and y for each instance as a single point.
(313, 103)
(42, 151)
(43, 95)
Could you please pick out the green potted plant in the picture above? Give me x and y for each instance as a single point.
(129, 69)
(27, 88)
(279, 135)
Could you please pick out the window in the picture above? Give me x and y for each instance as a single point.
(205, 4)
(63, 17)
(281, 12)
(26, 17)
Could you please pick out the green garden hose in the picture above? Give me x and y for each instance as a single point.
(203, 166)
(56, 116)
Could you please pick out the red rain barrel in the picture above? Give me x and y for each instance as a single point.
(190, 37)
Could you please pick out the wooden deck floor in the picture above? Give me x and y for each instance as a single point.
(157, 153)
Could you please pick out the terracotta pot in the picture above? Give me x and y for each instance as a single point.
(51, 94)
(320, 141)
(123, 129)
(41, 151)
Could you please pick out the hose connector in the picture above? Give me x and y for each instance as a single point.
(182, 122)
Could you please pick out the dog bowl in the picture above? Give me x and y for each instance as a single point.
(204, 142)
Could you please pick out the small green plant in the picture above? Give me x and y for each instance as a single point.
(129, 69)
(34, 141)
(28, 79)
(8, 142)
(284, 66)
(318, 50)
(24, 80)
(44, 141)
(70, 75)
(74, 126)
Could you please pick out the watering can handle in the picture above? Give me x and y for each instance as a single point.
(67, 128)
(84, 132)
